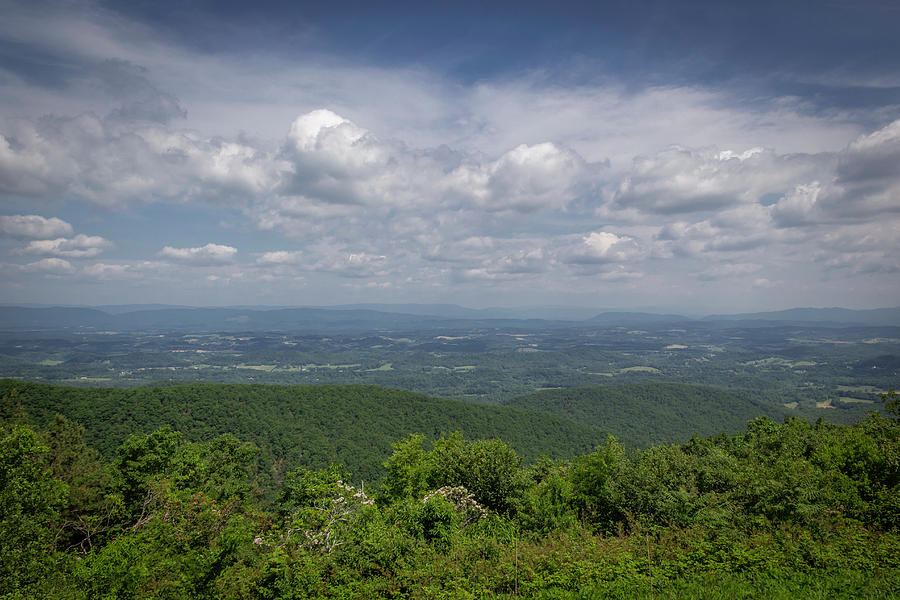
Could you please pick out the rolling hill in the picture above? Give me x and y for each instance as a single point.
(354, 425)
(651, 413)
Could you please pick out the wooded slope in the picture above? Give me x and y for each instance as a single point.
(353, 425)
(652, 413)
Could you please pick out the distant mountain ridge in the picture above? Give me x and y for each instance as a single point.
(370, 317)
(875, 316)
(239, 319)
(631, 318)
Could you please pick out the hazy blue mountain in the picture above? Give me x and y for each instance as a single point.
(553, 313)
(24, 318)
(635, 318)
(823, 316)
(238, 319)
(118, 309)
(409, 317)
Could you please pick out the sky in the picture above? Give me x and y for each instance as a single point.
(692, 156)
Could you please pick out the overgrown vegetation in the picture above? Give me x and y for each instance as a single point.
(353, 425)
(782, 510)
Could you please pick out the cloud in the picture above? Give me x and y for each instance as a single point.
(620, 273)
(864, 183)
(600, 247)
(208, 255)
(332, 160)
(798, 206)
(322, 130)
(50, 266)
(111, 163)
(141, 100)
(867, 178)
(80, 246)
(502, 260)
(34, 227)
(341, 181)
(762, 282)
(522, 262)
(352, 264)
(728, 270)
(105, 271)
(280, 257)
(525, 179)
(24, 167)
(681, 180)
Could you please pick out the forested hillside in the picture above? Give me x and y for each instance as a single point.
(652, 413)
(352, 425)
(788, 510)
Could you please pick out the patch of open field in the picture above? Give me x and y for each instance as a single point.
(850, 400)
(384, 367)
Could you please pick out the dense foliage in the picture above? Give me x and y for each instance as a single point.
(310, 425)
(651, 413)
(782, 510)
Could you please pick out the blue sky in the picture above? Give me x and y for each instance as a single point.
(695, 156)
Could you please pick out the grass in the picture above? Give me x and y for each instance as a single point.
(850, 400)
(640, 370)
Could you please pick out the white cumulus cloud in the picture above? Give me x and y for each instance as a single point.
(208, 255)
(682, 180)
(52, 266)
(526, 179)
(106, 271)
(600, 247)
(34, 227)
(80, 246)
(280, 257)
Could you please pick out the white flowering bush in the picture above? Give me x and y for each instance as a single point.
(464, 503)
(319, 507)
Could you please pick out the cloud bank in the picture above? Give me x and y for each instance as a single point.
(331, 180)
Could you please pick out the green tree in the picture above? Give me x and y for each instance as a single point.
(142, 458)
(30, 501)
(597, 495)
(92, 507)
(222, 468)
(408, 469)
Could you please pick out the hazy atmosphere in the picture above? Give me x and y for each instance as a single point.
(693, 156)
